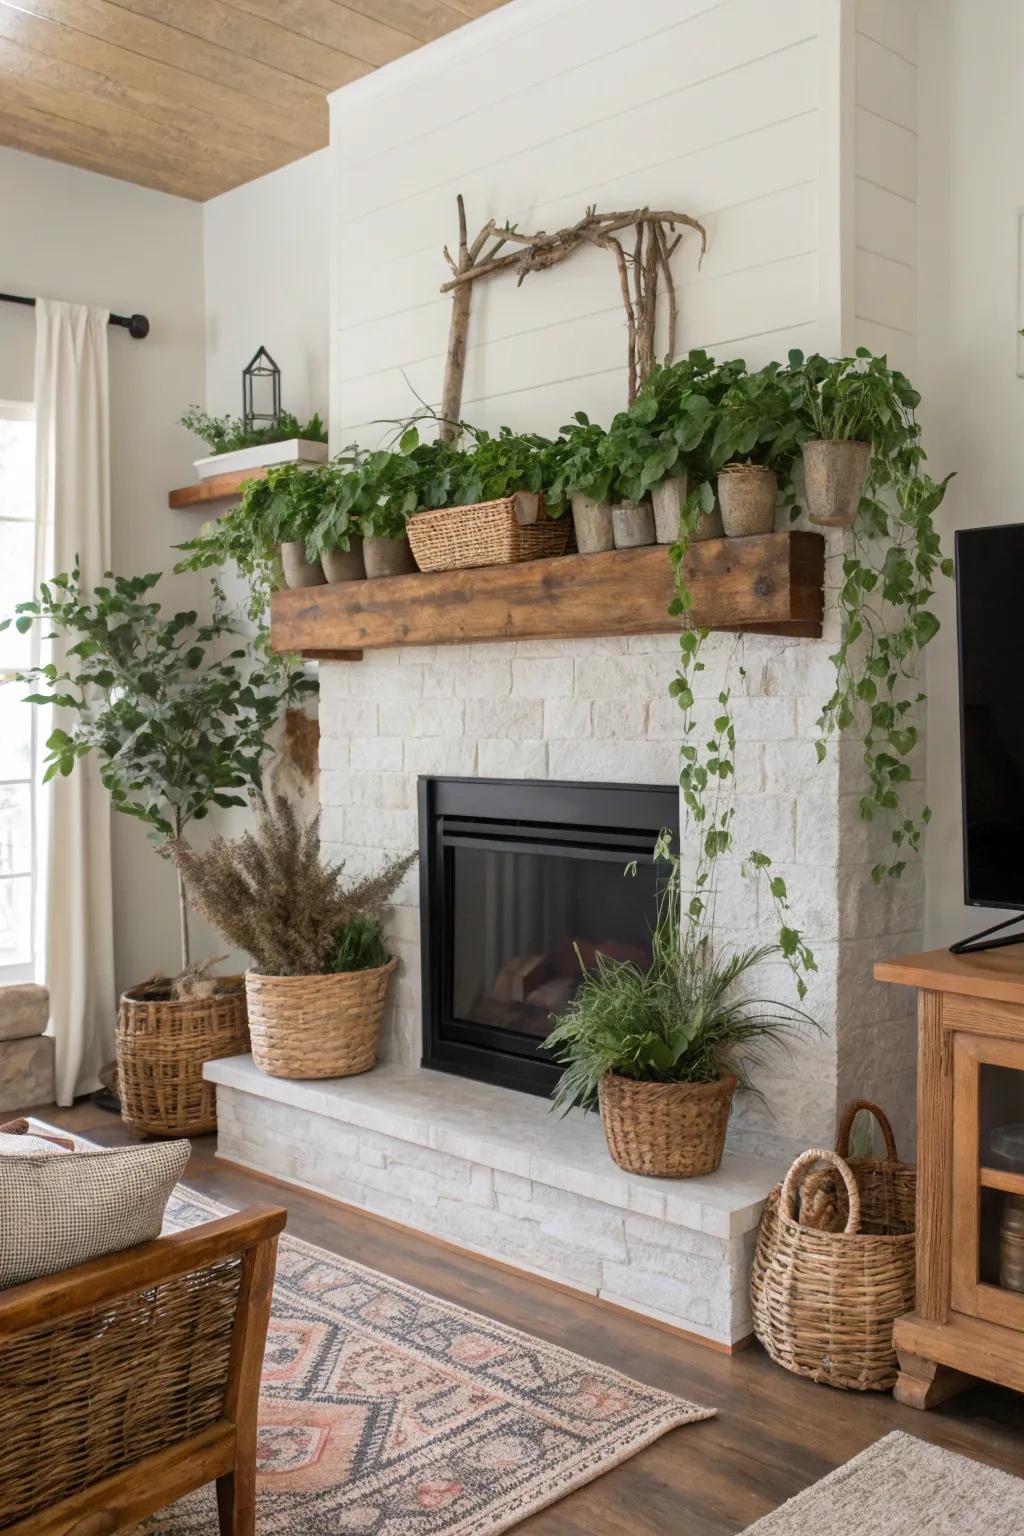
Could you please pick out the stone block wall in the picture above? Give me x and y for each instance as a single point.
(598, 710)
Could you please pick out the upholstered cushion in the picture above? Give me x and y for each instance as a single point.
(62, 1209)
(22, 1127)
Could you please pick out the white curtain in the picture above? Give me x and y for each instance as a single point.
(75, 909)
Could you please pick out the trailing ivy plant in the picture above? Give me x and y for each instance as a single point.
(888, 577)
(178, 722)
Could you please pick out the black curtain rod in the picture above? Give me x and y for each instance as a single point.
(135, 325)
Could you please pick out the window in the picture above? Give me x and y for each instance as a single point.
(17, 719)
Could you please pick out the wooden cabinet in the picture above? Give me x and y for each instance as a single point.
(969, 1315)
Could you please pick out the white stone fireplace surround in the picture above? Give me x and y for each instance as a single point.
(492, 1169)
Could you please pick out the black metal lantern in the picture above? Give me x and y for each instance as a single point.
(261, 386)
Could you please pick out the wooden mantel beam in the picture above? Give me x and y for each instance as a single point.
(770, 585)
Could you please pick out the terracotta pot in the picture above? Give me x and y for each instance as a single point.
(298, 571)
(632, 524)
(592, 521)
(344, 564)
(835, 470)
(387, 557)
(668, 501)
(670, 1130)
(748, 494)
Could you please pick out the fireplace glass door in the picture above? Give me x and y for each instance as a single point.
(524, 884)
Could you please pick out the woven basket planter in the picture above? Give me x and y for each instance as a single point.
(499, 532)
(824, 1302)
(670, 1130)
(317, 1026)
(162, 1047)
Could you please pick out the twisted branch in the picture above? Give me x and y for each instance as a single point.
(538, 252)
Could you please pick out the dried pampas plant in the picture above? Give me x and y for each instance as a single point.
(269, 893)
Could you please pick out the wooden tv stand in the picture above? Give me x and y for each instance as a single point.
(970, 1077)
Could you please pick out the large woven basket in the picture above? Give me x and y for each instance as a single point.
(824, 1302)
(670, 1130)
(162, 1047)
(317, 1026)
(487, 533)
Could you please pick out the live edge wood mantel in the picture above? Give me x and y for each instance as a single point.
(970, 1077)
(770, 585)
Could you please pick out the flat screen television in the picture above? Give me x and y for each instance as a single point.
(990, 624)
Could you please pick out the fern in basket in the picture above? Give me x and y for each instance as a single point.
(680, 1020)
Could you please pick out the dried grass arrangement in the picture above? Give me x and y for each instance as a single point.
(270, 893)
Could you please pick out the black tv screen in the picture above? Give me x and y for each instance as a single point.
(990, 623)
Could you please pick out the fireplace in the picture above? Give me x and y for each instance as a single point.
(520, 882)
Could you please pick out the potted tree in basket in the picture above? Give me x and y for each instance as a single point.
(661, 1050)
(850, 404)
(178, 726)
(318, 984)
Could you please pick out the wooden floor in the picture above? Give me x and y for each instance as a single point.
(774, 1433)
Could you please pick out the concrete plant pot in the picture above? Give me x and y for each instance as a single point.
(669, 500)
(748, 494)
(834, 474)
(387, 557)
(632, 524)
(344, 564)
(298, 571)
(592, 521)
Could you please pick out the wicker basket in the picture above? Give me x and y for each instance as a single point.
(317, 1026)
(487, 533)
(887, 1187)
(670, 1130)
(824, 1302)
(162, 1046)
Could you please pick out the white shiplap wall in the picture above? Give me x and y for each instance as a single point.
(720, 109)
(885, 179)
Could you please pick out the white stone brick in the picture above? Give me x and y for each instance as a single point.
(347, 717)
(765, 823)
(519, 718)
(791, 767)
(427, 717)
(638, 678)
(441, 755)
(384, 682)
(482, 680)
(512, 759)
(616, 761)
(620, 718)
(674, 1299)
(376, 752)
(549, 679)
(763, 719)
(567, 719)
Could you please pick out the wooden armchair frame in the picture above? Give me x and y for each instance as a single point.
(83, 1304)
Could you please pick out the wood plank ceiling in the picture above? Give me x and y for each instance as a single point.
(195, 96)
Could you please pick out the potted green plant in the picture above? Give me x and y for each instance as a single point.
(581, 478)
(318, 982)
(235, 446)
(687, 395)
(179, 722)
(757, 436)
(660, 1050)
(850, 404)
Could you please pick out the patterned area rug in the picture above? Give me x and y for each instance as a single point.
(902, 1486)
(386, 1412)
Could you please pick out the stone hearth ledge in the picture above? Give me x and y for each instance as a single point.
(496, 1172)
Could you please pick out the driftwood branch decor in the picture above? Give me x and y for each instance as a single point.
(642, 262)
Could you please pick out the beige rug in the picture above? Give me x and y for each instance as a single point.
(386, 1412)
(902, 1486)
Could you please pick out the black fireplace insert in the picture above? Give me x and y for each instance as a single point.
(522, 882)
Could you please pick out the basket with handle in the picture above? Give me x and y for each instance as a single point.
(888, 1188)
(824, 1302)
(501, 532)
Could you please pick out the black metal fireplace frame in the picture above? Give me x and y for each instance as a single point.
(618, 822)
